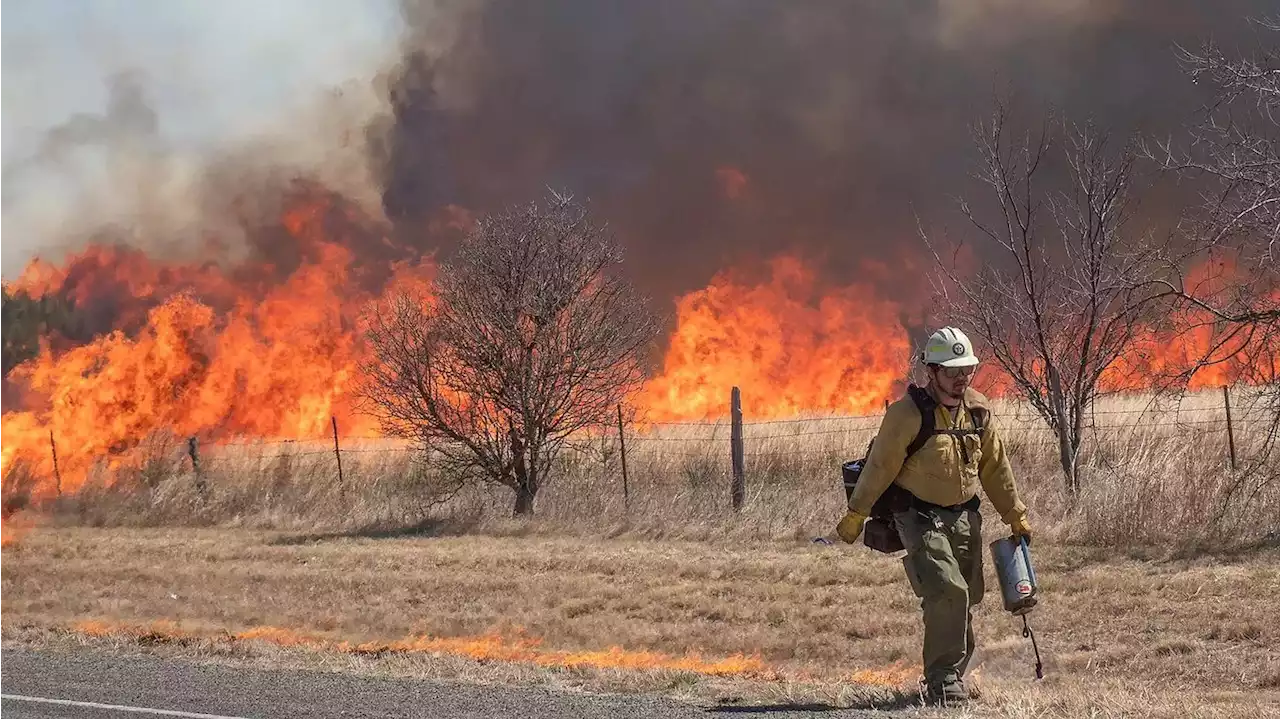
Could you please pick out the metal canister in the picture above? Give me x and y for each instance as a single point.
(1012, 559)
(851, 471)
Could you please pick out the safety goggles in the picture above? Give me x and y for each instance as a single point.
(955, 372)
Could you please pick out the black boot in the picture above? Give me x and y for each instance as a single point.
(947, 693)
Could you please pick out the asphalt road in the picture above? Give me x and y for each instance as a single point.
(91, 685)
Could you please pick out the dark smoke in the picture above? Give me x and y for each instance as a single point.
(843, 117)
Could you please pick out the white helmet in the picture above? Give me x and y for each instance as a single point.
(949, 347)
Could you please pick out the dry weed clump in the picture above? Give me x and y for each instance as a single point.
(1153, 473)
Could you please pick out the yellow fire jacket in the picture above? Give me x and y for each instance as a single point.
(937, 473)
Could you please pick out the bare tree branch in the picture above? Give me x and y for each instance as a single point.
(532, 337)
(1234, 151)
(1068, 286)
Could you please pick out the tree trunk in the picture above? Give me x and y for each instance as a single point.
(1076, 438)
(1066, 450)
(1068, 457)
(525, 493)
(526, 486)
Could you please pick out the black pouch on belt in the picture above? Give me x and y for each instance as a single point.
(879, 534)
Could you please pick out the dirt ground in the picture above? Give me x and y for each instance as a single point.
(1121, 635)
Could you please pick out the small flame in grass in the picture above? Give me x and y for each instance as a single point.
(97, 628)
(492, 646)
(897, 675)
(519, 648)
(278, 636)
(529, 650)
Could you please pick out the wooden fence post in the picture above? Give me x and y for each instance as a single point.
(1231, 434)
(337, 452)
(193, 450)
(622, 442)
(57, 474)
(735, 448)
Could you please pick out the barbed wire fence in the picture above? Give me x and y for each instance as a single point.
(732, 438)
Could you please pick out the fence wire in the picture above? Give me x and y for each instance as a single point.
(831, 437)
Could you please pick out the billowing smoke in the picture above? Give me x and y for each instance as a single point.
(710, 134)
(163, 124)
(716, 132)
(320, 150)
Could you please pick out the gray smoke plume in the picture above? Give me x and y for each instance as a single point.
(710, 134)
(716, 132)
(146, 123)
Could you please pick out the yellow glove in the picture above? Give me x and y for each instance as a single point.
(850, 527)
(1020, 527)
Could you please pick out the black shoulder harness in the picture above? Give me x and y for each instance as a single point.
(926, 404)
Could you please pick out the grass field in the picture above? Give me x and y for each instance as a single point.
(712, 621)
(1159, 578)
(1153, 473)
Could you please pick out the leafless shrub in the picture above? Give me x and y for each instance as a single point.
(1233, 152)
(532, 337)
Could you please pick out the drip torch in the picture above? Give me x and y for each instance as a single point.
(1017, 576)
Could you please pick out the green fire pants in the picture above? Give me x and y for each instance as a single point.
(944, 566)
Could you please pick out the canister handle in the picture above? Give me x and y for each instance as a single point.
(1026, 557)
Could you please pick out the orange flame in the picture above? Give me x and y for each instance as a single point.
(520, 648)
(272, 349)
(213, 355)
(795, 349)
(491, 646)
(898, 674)
(1192, 341)
(791, 348)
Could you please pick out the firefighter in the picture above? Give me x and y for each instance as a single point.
(941, 529)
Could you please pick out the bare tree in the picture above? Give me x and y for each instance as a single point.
(531, 336)
(1064, 288)
(1233, 153)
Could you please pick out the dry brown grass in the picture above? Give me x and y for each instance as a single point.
(1122, 636)
(1148, 611)
(1154, 474)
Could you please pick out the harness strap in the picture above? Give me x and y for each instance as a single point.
(961, 434)
(926, 404)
